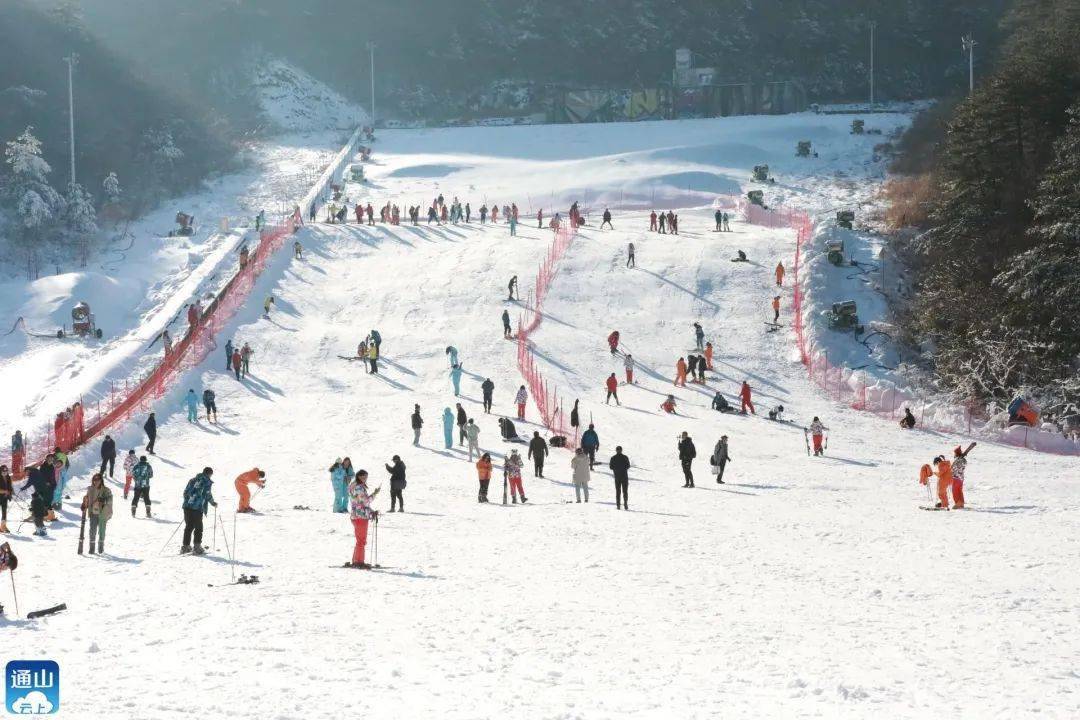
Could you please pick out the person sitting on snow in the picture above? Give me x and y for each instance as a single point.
(668, 405)
(777, 413)
(908, 421)
(720, 403)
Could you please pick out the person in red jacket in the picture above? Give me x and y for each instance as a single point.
(358, 211)
(613, 341)
(237, 362)
(612, 390)
(652, 221)
(744, 396)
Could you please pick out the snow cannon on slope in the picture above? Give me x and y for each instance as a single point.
(834, 251)
(804, 149)
(82, 322)
(756, 197)
(858, 127)
(844, 317)
(761, 173)
(845, 218)
(356, 173)
(186, 223)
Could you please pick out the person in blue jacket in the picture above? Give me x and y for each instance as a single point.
(453, 353)
(337, 480)
(192, 402)
(455, 378)
(590, 443)
(228, 355)
(198, 496)
(448, 427)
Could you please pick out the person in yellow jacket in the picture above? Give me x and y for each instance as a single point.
(373, 357)
(243, 487)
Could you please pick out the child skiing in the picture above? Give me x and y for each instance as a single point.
(817, 430)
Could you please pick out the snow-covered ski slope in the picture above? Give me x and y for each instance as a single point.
(802, 588)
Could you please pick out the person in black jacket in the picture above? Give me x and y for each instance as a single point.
(43, 480)
(397, 483)
(488, 388)
(462, 420)
(620, 468)
(417, 423)
(538, 450)
(151, 434)
(687, 453)
(108, 455)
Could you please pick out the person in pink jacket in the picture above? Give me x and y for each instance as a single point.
(360, 513)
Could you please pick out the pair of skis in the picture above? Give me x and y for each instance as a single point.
(806, 438)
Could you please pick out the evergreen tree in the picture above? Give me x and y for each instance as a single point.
(35, 203)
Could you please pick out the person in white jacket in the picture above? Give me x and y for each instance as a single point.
(521, 398)
(580, 465)
(472, 434)
(129, 464)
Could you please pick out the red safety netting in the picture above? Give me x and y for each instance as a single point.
(544, 395)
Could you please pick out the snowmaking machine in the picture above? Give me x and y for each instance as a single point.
(761, 173)
(803, 149)
(845, 218)
(82, 322)
(844, 317)
(858, 127)
(834, 251)
(756, 197)
(186, 223)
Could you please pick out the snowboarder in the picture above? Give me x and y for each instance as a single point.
(483, 473)
(520, 399)
(512, 287)
(337, 482)
(908, 421)
(687, 453)
(360, 513)
(448, 427)
(628, 365)
(620, 469)
(776, 309)
(243, 482)
(397, 483)
(581, 466)
(130, 460)
(192, 402)
(462, 420)
(508, 332)
(699, 336)
(488, 389)
(150, 426)
(417, 423)
(631, 261)
(590, 443)
(209, 399)
(98, 506)
(108, 455)
(198, 496)
(472, 434)
(668, 405)
(745, 396)
(779, 274)
(538, 451)
(612, 390)
(680, 373)
(720, 458)
(513, 465)
(607, 220)
(142, 472)
(817, 431)
(455, 379)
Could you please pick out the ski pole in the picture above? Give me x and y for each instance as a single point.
(215, 528)
(171, 537)
(233, 550)
(375, 556)
(14, 594)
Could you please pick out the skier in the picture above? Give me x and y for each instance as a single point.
(130, 460)
(512, 287)
(228, 355)
(462, 420)
(151, 434)
(7, 491)
(692, 365)
(488, 389)
(668, 405)
(448, 427)
(628, 365)
(520, 399)
(720, 458)
(908, 421)
(607, 220)
(237, 362)
(243, 482)
(192, 402)
(108, 455)
(472, 434)
(652, 221)
(98, 506)
(699, 336)
(373, 358)
(719, 217)
(817, 430)
(337, 482)
(452, 353)
(959, 467)
(209, 400)
(745, 398)
(417, 423)
(613, 342)
(612, 390)
(776, 309)
(620, 469)
(631, 262)
(943, 470)
(687, 453)
(708, 356)
(198, 496)
(508, 332)
(538, 451)
(483, 473)
(360, 513)
(455, 379)
(397, 483)
(142, 472)
(590, 443)
(779, 274)
(513, 465)
(581, 466)
(680, 373)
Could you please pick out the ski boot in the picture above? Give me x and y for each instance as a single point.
(132, 511)
(524, 499)
(185, 549)
(4, 528)
(147, 511)
(198, 550)
(92, 551)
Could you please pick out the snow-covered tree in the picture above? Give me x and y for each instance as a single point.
(36, 204)
(111, 187)
(80, 217)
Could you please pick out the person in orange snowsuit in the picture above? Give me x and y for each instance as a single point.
(776, 309)
(779, 274)
(944, 480)
(708, 356)
(744, 396)
(680, 373)
(243, 482)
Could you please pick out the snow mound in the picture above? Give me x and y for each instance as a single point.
(293, 100)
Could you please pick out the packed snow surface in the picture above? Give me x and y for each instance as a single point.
(803, 587)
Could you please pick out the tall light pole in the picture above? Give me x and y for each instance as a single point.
(968, 43)
(72, 60)
(873, 25)
(371, 49)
